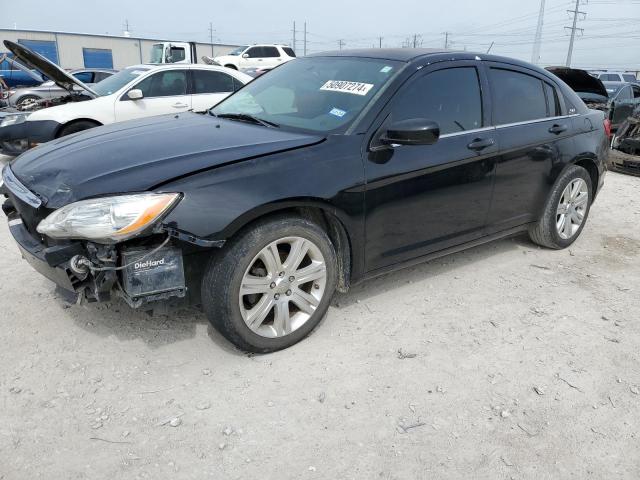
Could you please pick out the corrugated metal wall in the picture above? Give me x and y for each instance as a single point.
(70, 47)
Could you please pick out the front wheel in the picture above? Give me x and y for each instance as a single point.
(566, 210)
(76, 127)
(272, 286)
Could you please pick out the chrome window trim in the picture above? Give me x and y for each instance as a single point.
(18, 189)
(537, 120)
(465, 132)
(506, 125)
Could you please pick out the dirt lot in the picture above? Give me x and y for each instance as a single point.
(505, 361)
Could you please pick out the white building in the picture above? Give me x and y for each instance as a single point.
(80, 50)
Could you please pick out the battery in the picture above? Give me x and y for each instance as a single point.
(149, 274)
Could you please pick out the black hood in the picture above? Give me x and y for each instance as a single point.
(48, 68)
(579, 80)
(139, 155)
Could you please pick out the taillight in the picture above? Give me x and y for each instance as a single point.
(607, 127)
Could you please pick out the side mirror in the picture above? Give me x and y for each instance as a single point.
(415, 131)
(135, 94)
(245, 55)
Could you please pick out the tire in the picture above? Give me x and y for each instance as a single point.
(241, 262)
(76, 127)
(547, 232)
(231, 66)
(26, 99)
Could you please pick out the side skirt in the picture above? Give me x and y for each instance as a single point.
(442, 253)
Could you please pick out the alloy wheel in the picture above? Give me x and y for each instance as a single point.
(282, 287)
(572, 208)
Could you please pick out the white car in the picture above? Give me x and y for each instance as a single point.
(135, 92)
(256, 56)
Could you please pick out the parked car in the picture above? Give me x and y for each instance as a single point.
(256, 56)
(328, 170)
(616, 99)
(134, 92)
(624, 97)
(616, 76)
(47, 90)
(15, 75)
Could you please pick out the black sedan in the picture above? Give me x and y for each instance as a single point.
(328, 170)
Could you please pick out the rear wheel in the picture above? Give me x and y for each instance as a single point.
(231, 66)
(566, 210)
(272, 286)
(76, 127)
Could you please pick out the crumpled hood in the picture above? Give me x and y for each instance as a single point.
(139, 155)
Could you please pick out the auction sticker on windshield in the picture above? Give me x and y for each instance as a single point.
(344, 86)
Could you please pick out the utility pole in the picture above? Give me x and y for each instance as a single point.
(341, 44)
(305, 39)
(211, 37)
(127, 32)
(294, 36)
(573, 29)
(446, 40)
(379, 42)
(535, 56)
(417, 40)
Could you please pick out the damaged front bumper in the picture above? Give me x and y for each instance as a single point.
(140, 274)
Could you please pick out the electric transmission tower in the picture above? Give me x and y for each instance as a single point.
(574, 28)
(535, 56)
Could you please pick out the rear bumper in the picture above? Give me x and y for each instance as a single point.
(629, 166)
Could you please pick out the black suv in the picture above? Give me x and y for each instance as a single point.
(325, 171)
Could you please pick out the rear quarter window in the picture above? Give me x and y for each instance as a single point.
(289, 51)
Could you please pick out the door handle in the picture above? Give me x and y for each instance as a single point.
(481, 143)
(558, 129)
(179, 105)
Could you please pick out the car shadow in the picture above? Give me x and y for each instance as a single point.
(431, 269)
(117, 319)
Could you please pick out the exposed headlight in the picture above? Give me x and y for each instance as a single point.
(14, 119)
(108, 219)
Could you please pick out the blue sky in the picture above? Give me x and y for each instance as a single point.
(611, 27)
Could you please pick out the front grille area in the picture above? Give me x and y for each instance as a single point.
(30, 216)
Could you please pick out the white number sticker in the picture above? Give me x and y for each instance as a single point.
(357, 88)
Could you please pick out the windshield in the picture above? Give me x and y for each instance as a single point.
(118, 80)
(238, 50)
(157, 52)
(321, 94)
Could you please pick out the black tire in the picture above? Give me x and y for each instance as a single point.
(544, 232)
(231, 66)
(26, 99)
(76, 127)
(223, 276)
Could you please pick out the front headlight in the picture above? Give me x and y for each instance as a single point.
(14, 119)
(108, 219)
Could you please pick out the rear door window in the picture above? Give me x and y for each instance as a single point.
(450, 97)
(270, 52)
(211, 82)
(517, 97)
(84, 77)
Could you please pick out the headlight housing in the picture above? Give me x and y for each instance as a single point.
(14, 119)
(108, 219)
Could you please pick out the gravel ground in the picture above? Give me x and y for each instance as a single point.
(504, 361)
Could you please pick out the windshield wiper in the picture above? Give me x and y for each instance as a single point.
(245, 117)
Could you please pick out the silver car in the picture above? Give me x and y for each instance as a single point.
(22, 96)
